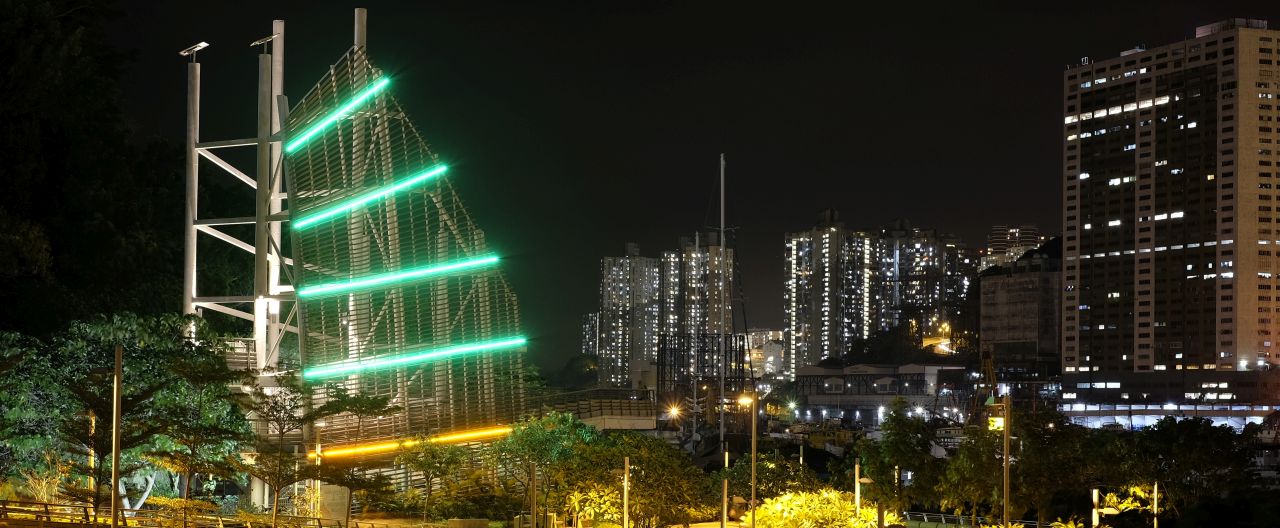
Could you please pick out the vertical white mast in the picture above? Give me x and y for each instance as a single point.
(724, 356)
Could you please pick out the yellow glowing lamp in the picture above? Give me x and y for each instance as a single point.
(995, 423)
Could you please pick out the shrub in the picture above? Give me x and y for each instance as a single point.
(823, 508)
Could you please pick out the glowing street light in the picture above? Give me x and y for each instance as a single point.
(750, 399)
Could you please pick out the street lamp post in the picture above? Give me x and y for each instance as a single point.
(752, 399)
(115, 437)
(626, 491)
(1007, 425)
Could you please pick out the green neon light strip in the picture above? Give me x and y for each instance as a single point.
(333, 117)
(370, 196)
(347, 368)
(413, 274)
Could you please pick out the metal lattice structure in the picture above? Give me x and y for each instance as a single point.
(399, 293)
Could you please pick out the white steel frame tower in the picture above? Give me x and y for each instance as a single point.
(264, 304)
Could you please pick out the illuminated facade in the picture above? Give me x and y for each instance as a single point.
(400, 294)
(767, 351)
(1006, 243)
(828, 296)
(643, 298)
(629, 316)
(924, 278)
(843, 286)
(1170, 160)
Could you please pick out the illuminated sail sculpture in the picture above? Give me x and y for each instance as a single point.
(399, 294)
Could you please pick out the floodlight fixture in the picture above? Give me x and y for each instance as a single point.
(264, 40)
(191, 51)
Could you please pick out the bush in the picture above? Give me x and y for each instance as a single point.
(825, 508)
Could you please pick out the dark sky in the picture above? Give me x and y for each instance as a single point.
(574, 128)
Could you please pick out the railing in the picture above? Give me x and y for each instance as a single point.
(597, 402)
(38, 513)
(916, 519)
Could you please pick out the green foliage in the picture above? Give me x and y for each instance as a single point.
(825, 508)
(433, 461)
(974, 474)
(86, 216)
(362, 406)
(1052, 462)
(175, 403)
(1192, 459)
(775, 475)
(536, 444)
(905, 446)
(665, 486)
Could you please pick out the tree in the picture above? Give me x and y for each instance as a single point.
(199, 415)
(666, 488)
(433, 461)
(84, 217)
(205, 430)
(775, 475)
(1050, 463)
(362, 406)
(283, 410)
(1192, 459)
(905, 447)
(974, 474)
(69, 377)
(537, 443)
(277, 469)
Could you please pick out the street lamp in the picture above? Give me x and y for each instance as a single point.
(749, 399)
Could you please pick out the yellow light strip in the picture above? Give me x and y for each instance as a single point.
(492, 432)
(477, 434)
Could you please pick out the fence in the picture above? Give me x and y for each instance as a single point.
(39, 514)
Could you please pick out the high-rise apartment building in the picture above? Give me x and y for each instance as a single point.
(924, 278)
(1006, 243)
(827, 297)
(629, 316)
(591, 334)
(700, 302)
(643, 298)
(843, 286)
(1171, 221)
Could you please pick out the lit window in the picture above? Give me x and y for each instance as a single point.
(1088, 226)
(1113, 223)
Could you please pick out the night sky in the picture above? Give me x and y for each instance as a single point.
(572, 129)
